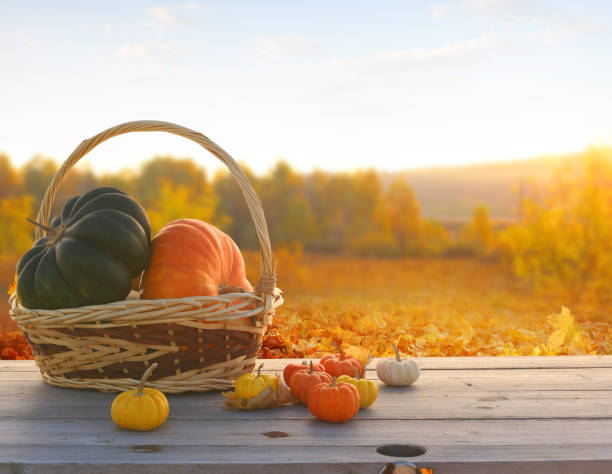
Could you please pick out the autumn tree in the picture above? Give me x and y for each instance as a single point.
(290, 217)
(17, 234)
(171, 188)
(434, 238)
(236, 220)
(127, 180)
(9, 178)
(478, 232)
(36, 174)
(347, 210)
(166, 169)
(333, 212)
(365, 201)
(317, 184)
(565, 238)
(403, 214)
(174, 201)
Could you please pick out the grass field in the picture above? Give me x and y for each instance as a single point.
(428, 307)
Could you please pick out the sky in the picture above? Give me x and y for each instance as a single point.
(329, 85)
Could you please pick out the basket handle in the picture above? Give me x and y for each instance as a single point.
(267, 279)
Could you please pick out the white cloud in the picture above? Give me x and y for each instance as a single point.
(474, 6)
(167, 16)
(283, 46)
(459, 49)
(23, 37)
(551, 21)
(192, 5)
(148, 50)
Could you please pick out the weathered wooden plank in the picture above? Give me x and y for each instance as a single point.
(502, 419)
(158, 459)
(519, 362)
(582, 379)
(431, 363)
(415, 403)
(312, 432)
(574, 393)
(563, 467)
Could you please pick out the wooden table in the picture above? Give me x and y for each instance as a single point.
(472, 415)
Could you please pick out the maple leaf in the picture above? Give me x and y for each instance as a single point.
(267, 398)
(467, 332)
(358, 352)
(567, 330)
(372, 322)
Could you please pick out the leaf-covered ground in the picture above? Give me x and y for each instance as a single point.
(428, 307)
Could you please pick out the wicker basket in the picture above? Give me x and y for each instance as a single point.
(200, 343)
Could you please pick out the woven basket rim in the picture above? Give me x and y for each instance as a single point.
(161, 302)
(231, 305)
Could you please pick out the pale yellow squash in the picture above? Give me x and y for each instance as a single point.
(398, 372)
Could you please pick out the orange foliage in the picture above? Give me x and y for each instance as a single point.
(429, 308)
(13, 346)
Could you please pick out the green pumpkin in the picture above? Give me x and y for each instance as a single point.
(92, 250)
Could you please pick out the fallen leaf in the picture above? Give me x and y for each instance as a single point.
(358, 352)
(567, 329)
(267, 398)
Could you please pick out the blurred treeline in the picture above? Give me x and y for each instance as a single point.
(563, 233)
(341, 213)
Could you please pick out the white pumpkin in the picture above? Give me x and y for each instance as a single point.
(398, 372)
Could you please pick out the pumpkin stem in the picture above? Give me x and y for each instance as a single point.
(53, 233)
(335, 344)
(356, 373)
(144, 378)
(310, 370)
(259, 370)
(397, 354)
(333, 384)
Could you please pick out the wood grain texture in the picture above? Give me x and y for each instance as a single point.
(458, 380)
(428, 363)
(421, 402)
(367, 434)
(501, 415)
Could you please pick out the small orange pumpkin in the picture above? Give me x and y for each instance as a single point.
(341, 364)
(302, 381)
(291, 369)
(190, 257)
(336, 402)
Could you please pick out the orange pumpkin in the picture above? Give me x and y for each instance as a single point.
(336, 402)
(302, 381)
(290, 369)
(341, 364)
(190, 257)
